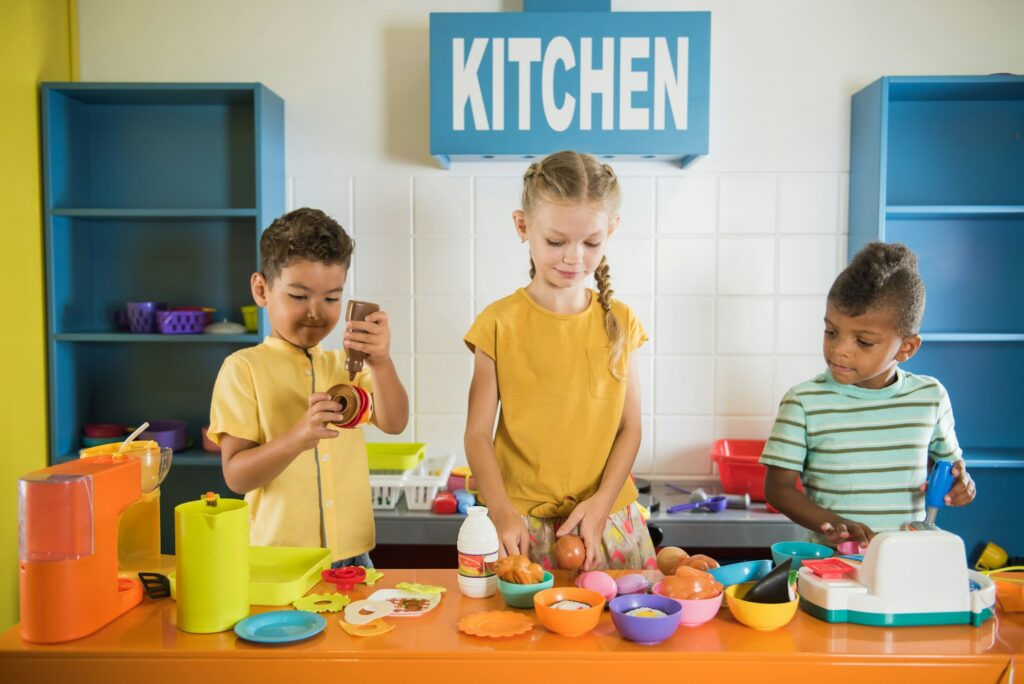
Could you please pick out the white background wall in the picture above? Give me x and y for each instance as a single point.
(726, 263)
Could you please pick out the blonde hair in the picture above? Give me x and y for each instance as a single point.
(568, 176)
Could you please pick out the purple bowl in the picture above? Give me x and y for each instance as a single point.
(172, 434)
(645, 630)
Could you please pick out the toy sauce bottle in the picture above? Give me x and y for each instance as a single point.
(478, 551)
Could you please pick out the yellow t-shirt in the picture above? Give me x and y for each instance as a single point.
(560, 404)
(323, 497)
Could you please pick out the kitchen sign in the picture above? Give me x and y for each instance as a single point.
(513, 85)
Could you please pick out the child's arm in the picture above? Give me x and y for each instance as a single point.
(248, 465)
(390, 402)
(592, 515)
(781, 492)
(483, 408)
(944, 446)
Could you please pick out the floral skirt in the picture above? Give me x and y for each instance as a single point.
(625, 543)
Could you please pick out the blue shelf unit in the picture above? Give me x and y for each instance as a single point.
(937, 163)
(153, 192)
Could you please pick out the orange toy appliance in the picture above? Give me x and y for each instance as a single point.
(67, 547)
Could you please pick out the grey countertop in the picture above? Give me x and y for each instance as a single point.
(732, 528)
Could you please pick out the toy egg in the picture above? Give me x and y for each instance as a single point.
(632, 583)
(689, 584)
(598, 581)
(669, 557)
(570, 552)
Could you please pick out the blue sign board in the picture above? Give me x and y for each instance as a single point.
(510, 85)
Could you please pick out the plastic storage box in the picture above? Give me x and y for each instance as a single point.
(395, 456)
(738, 467)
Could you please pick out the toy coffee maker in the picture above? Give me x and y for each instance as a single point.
(138, 530)
(67, 547)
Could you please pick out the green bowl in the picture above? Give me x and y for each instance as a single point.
(521, 595)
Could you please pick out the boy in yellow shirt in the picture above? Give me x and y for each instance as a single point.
(306, 483)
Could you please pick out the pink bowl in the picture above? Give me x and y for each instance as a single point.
(695, 611)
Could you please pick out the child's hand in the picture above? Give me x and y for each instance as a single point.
(841, 529)
(313, 426)
(513, 539)
(590, 516)
(962, 492)
(372, 336)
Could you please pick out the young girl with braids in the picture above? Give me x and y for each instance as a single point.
(559, 359)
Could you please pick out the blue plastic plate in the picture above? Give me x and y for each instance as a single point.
(280, 626)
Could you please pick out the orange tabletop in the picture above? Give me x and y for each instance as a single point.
(145, 646)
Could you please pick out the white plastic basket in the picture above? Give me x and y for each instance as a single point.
(386, 490)
(421, 483)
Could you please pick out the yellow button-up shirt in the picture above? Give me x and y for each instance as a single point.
(323, 497)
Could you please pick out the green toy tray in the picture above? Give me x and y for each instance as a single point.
(280, 574)
(395, 455)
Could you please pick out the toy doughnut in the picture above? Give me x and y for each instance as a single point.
(356, 405)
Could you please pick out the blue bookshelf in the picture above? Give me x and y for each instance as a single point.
(153, 192)
(937, 163)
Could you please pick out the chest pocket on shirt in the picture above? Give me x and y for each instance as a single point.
(603, 385)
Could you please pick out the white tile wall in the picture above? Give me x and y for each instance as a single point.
(726, 273)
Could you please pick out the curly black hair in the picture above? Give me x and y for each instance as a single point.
(304, 233)
(882, 275)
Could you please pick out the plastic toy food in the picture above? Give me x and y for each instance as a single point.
(646, 612)
(698, 562)
(632, 583)
(570, 605)
(570, 552)
(690, 584)
(518, 570)
(598, 581)
(669, 557)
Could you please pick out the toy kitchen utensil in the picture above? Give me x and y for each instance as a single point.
(715, 504)
(211, 536)
(940, 481)
(906, 578)
(67, 547)
(732, 500)
(280, 626)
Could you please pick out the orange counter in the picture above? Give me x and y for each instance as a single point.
(144, 646)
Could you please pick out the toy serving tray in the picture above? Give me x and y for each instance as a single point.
(280, 574)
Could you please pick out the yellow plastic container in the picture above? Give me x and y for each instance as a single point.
(250, 317)
(279, 574)
(211, 537)
(395, 455)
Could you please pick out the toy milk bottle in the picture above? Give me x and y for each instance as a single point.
(478, 551)
(211, 538)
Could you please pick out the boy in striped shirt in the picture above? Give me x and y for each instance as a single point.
(860, 435)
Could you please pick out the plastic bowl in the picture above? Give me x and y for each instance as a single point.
(250, 317)
(109, 430)
(799, 551)
(167, 433)
(737, 573)
(89, 442)
(695, 611)
(645, 630)
(521, 595)
(568, 622)
(761, 616)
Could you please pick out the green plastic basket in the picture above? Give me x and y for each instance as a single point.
(395, 456)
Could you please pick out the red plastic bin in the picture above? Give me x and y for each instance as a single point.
(738, 467)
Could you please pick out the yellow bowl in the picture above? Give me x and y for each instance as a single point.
(762, 616)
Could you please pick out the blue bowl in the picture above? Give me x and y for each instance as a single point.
(799, 551)
(521, 595)
(738, 573)
(645, 630)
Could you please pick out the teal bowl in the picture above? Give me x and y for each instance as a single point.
(799, 551)
(89, 442)
(738, 573)
(521, 595)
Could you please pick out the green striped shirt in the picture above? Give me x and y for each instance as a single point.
(863, 454)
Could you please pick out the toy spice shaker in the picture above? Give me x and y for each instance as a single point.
(357, 311)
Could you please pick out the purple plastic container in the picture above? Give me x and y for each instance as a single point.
(172, 434)
(142, 316)
(645, 630)
(182, 322)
